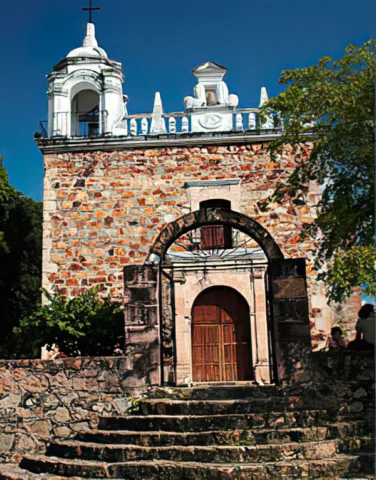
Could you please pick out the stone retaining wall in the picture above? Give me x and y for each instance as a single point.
(40, 400)
(45, 400)
(345, 379)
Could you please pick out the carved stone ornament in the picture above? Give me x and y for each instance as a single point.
(210, 121)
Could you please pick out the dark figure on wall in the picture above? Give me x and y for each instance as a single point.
(366, 325)
(336, 342)
(365, 330)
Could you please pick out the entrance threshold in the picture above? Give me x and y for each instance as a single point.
(248, 383)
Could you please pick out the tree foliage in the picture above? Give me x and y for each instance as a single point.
(20, 257)
(332, 105)
(87, 325)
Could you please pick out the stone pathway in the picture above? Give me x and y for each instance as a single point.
(212, 433)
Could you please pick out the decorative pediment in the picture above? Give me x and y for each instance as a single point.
(210, 91)
(209, 68)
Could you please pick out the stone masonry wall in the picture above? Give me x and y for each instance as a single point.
(40, 400)
(104, 210)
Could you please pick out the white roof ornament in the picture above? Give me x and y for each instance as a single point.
(158, 124)
(90, 45)
(90, 40)
(211, 91)
(264, 96)
(268, 124)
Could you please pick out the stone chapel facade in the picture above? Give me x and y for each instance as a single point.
(173, 213)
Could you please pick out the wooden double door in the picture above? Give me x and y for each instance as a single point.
(221, 340)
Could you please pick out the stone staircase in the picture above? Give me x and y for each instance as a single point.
(226, 432)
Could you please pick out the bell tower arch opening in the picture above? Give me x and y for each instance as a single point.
(85, 113)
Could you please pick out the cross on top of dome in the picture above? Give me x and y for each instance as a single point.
(90, 9)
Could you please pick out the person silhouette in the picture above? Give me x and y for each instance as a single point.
(365, 326)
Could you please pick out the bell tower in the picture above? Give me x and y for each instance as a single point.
(85, 96)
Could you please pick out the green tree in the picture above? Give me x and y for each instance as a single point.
(8, 197)
(20, 258)
(332, 105)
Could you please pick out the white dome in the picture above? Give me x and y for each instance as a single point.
(90, 46)
(96, 52)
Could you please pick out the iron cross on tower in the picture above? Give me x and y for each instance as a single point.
(90, 9)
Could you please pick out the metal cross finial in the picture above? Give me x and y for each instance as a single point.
(90, 9)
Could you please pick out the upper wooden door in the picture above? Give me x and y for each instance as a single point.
(221, 346)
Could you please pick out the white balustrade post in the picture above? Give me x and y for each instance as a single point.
(172, 125)
(144, 126)
(133, 127)
(185, 125)
(239, 122)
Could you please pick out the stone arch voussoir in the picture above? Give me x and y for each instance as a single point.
(211, 216)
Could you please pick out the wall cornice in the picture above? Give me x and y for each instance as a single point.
(64, 145)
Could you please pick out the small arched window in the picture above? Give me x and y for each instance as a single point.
(216, 236)
(85, 114)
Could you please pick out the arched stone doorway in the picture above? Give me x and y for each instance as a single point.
(214, 216)
(285, 290)
(221, 339)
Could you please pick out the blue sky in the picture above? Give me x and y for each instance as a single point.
(159, 42)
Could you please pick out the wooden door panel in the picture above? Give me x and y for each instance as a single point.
(228, 333)
(221, 337)
(229, 355)
(226, 318)
(206, 314)
(229, 372)
(206, 353)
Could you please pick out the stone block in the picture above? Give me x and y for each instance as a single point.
(62, 415)
(289, 288)
(62, 432)
(42, 428)
(25, 443)
(80, 427)
(6, 442)
(35, 384)
(11, 401)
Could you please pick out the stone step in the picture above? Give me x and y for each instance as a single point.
(14, 472)
(356, 444)
(218, 392)
(224, 407)
(201, 454)
(341, 465)
(226, 437)
(184, 423)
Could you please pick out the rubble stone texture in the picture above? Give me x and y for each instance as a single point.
(104, 210)
(79, 417)
(41, 399)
